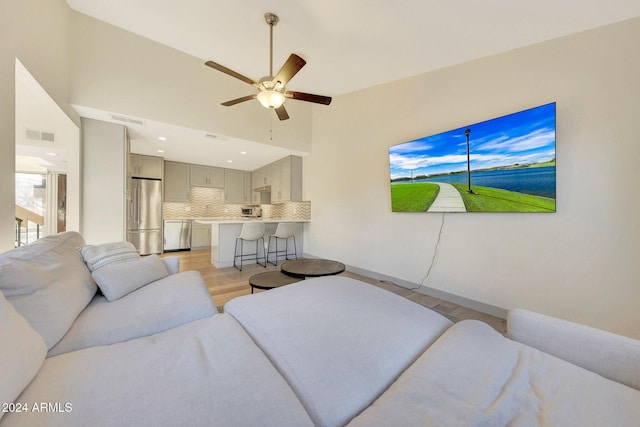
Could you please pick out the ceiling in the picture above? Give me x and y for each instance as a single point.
(195, 146)
(348, 45)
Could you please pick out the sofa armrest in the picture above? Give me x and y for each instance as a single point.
(172, 264)
(612, 356)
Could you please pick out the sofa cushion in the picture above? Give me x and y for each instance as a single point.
(161, 305)
(612, 356)
(205, 373)
(474, 376)
(172, 264)
(99, 256)
(339, 342)
(48, 283)
(23, 352)
(119, 279)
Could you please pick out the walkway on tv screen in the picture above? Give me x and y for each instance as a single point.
(448, 199)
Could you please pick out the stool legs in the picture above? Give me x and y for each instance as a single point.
(249, 257)
(280, 252)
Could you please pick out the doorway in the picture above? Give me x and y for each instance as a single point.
(61, 203)
(47, 163)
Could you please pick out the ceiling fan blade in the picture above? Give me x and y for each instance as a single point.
(289, 69)
(282, 113)
(231, 73)
(238, 100)
(309, 97)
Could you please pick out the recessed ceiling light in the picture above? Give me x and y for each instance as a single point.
(160, 151)
(229, 161)
(51, 154)
(243, 152)
(162, 138)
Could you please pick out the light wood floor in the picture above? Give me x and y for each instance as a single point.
(227, 283)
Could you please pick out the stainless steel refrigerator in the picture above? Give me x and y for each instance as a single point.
(144, 222)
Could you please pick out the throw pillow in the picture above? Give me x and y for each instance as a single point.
(98, 256)
(116, 280)
(22, 354)
(48, 283)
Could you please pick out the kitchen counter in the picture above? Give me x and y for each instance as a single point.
(224, 232)
(241, 220)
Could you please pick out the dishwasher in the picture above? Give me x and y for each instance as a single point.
(177, 235)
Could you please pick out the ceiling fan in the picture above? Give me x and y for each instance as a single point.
(271, 90)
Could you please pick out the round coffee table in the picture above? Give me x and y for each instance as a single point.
(312, 267)
(271, 279)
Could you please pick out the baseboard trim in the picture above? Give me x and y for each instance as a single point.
(436, 293)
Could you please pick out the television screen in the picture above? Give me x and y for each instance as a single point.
(506, 164)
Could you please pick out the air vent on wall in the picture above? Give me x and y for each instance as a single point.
(37, 135)
(47, 136)
(127, 120)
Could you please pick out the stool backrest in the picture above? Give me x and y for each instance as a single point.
(286, 229)
(252, 231)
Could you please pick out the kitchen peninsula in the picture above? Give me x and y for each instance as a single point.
(224, 232)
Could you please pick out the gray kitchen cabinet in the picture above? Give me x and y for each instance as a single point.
(286, 180)
(260, 178)
(256, 182)
(176, 182)
(237, 186)
(207, 176)
(142, 166)
(200, 236)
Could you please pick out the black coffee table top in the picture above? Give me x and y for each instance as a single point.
(312, 267)
(271, 279)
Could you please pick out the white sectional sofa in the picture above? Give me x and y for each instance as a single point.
(329, 351)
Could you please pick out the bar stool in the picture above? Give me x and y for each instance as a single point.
(284, 231)
(250, 232)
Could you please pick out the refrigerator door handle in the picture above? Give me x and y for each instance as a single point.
(136, 204)
(131, 225)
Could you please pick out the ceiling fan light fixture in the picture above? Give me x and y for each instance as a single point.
(271, 99)
(272, 89)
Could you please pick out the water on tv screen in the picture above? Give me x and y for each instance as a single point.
(506, 164)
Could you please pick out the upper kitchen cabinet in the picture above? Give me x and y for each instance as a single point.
(141, 166)
(261, 177)
(207, 176)
(176, 182)
(237, 186)
(286, 180)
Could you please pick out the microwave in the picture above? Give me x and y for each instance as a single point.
(251, 211)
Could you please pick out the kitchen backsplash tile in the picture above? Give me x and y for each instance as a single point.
(209, 202)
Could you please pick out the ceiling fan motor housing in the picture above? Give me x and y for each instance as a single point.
(271, 18)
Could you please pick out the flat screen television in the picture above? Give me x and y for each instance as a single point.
(506, 164)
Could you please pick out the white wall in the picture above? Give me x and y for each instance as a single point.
(104, 149)
(580, 263)
(37, 34)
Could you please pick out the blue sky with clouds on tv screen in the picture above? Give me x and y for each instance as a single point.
(524, 137)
